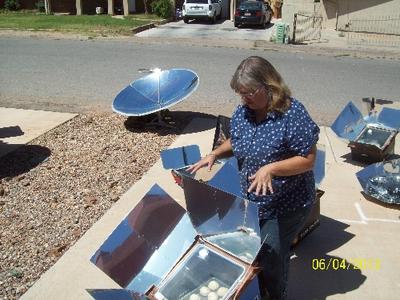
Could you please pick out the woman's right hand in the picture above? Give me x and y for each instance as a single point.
(208, 161)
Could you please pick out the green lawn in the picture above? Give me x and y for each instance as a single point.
(87, 24)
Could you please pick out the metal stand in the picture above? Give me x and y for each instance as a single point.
(158, 121)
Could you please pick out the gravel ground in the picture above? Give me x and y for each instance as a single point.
(53, 189)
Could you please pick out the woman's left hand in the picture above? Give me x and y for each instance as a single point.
(262, 181)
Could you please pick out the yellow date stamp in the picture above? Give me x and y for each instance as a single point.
(335, 264)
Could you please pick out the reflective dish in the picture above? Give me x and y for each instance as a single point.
(384, 188)
(155, 92)
(382, 181)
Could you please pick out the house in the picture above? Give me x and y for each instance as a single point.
(338, 13)
(87, 7)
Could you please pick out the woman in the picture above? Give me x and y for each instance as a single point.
(274, 140)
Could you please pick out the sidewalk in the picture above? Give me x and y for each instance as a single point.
(224, 34)
(20, 126)
(332, 43)
(352, 229)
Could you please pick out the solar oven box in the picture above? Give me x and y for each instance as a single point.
(162, 251)
(371, 138)
(312, 220)
(205, 272)
(373, 144)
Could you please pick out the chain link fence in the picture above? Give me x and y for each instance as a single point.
(379, 31)
(306, 27)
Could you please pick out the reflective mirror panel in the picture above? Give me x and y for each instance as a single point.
(180, 157)
(319, 165)
(115, 294)
(166, 256)
(349, 123)
(203, 174)
(155, 216)
(227, 178)
(213, 211)
(156, 91)
(203, 206)
(202, 272)
(382, 181)
(134, 246)
(242, 244)
(390, 117)
(375, 136)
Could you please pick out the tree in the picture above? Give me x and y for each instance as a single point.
(146, 6)
(47, 6)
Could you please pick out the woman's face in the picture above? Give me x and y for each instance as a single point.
(256, 100)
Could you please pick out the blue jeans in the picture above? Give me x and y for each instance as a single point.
(279, 233)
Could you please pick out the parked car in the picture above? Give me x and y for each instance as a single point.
(201, 9)
(253, 13)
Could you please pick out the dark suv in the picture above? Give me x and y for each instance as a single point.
(253, 13)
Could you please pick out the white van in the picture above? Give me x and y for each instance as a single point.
(201, 9)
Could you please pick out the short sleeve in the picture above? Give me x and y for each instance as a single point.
(302, 132)
(235, 122)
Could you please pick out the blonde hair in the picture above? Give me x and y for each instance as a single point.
(255, 72)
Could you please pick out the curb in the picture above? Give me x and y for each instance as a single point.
(150, 25)
(142, 28)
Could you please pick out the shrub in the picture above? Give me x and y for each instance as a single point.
(11, 4)
(40, 6)
(162, 8)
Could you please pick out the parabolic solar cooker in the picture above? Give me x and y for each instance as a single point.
(381, 181)
(155, 92)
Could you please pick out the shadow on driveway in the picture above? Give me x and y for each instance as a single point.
(310, 281)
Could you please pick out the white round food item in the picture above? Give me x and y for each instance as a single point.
(212, 296)
(204, 291)
(194, 297)
(213, 285)
(222, 291)
(369, 131)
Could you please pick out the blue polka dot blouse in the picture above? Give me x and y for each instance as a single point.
(277, 137)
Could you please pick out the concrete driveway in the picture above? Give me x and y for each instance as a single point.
(222, 29)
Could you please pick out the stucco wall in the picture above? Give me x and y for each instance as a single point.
(344, 9)
(290, 7)
(353, 9)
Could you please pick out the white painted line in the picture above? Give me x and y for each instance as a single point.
(361, 213)
(351, 221)
(364, 219)
(384, 220)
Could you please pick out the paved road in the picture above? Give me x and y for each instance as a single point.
(74, 75)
